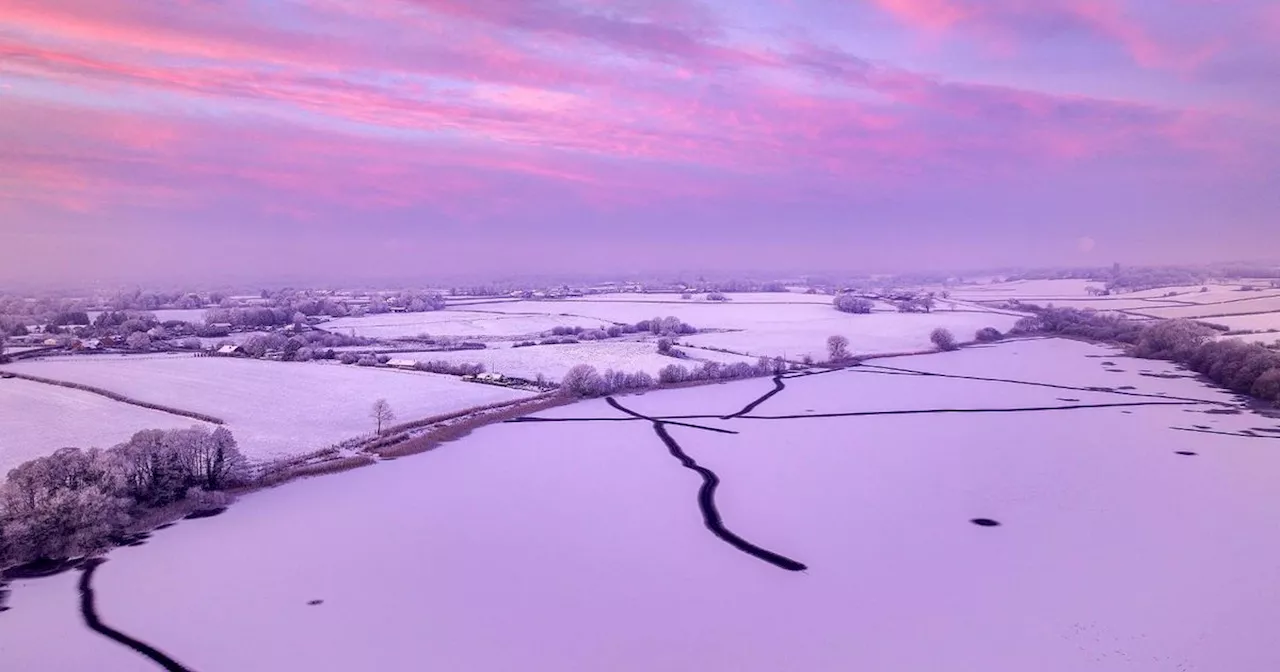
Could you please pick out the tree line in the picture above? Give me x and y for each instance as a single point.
(1246, 368)
(76, 502)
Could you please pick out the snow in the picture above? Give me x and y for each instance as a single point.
(456, 323)
(39, 419)
(1024, 289)
(273, 408)
(553, 361)
(1252, 305)
(734, 297)
(867, 334)
(792, 329)
(1250, 322)
(579, 546)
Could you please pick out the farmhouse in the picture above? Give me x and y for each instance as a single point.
(229, 351)
(403, 363)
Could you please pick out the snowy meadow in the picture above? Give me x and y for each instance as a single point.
(1039, 504)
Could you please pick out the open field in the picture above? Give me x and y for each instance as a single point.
(1259, 303)
(579, 542)
(38, 419)
(553, 361)
(775, 329)
(1249, 322)
(458, 323)
(273, 408)
(868, 334)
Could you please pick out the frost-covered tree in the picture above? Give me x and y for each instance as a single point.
(382, 414)
(848, 303)
(211, 460)
(584, 381)
(665, 345)
(138, 340)
(837, 348)
(943, 339)
(988, 335)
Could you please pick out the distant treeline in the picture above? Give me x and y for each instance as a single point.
(1246, 368)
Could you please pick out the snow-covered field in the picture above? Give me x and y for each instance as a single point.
(459, 323)
(37, 419)
(1023, 289)
(1253, 322)
(791, 329)
(867, 334)
(579, 545)
(553, 361)
(1259, 304)
(273, 408)
(734, 297)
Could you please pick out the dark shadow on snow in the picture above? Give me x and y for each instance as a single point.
(88, 609)
(707, 496)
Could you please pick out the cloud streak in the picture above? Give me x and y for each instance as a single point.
(483, 112)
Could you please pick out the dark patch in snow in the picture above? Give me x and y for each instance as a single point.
(1114, 370)
(165, 526)
(1202, 426)
(1223, 411)
(1269, 430)
(39, 569)
(4, 596)
(1244, 433)
(1068, 399)
(1165, 376)
(1188, 453)
(778, 386)
(1127, 412)
(88, 609)
(707, 497)
(205, 513)
(985, 522)
(314, 603)
(1108, 363)
(1126, 388)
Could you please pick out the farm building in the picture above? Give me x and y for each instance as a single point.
(230, 350)
(403, 363)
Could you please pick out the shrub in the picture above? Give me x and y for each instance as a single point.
(584, 381)
(943, 339)
(848, 303)
(838, 348)
(664, 345)
(348, 358)
(673, 373)
(988, 335)
(383, 359)
(717, 296)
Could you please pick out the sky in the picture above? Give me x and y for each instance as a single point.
(189, 139)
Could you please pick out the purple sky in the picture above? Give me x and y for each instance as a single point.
(193, 137)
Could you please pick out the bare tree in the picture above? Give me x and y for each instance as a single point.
(382, 413)
(838, 348)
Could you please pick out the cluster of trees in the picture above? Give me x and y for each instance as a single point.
(838, 348)
(921, 304)
(75, 501)
(736, 286)
(678, 373)
(302, 347)
(665, 326)
(1246, 368)
(848, 303)
(585, 380)
(139, 300)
